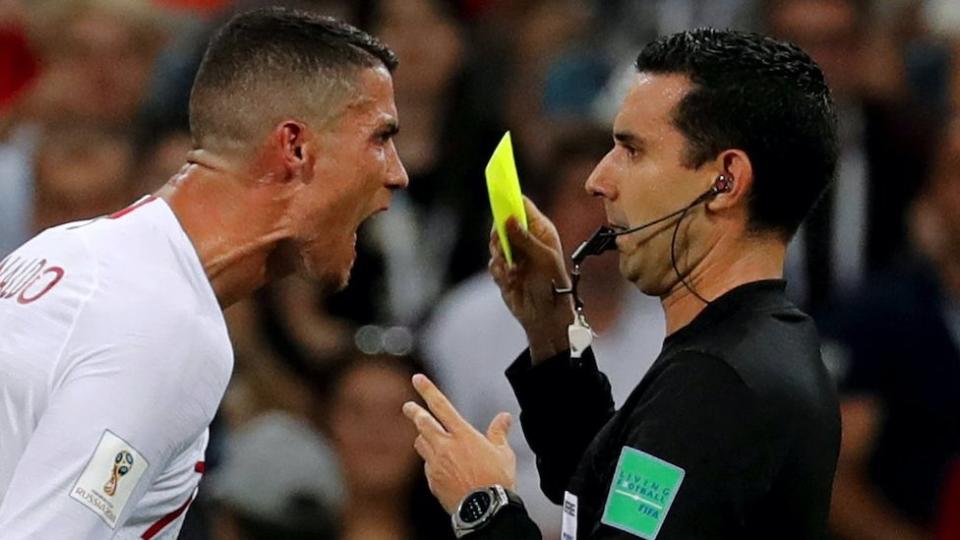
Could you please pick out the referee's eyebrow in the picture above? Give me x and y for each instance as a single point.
(626, 137)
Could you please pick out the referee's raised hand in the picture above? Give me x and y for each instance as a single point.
(457, 457)
(527, 286)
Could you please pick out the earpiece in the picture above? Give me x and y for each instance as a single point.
(722, 184)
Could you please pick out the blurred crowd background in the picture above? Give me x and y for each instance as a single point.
(310, 441)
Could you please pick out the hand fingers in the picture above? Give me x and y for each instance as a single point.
(533, 213)
(426, 424)
(438, 403)
(498, 269)
(499, 428)
(424, 448)
(524, 242)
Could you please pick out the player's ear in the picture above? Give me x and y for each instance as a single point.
(293, 142)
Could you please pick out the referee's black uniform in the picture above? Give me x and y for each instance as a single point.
(733, 433)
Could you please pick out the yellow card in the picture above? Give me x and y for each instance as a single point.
(503, 186)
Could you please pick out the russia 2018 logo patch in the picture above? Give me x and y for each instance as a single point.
(109, 478)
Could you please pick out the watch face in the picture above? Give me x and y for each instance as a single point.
(474, 507)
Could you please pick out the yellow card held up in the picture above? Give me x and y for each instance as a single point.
(503, 186)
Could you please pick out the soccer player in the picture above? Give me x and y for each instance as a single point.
(113, 348)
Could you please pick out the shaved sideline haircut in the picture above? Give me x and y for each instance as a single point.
(272, 64)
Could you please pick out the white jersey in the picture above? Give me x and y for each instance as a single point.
(114, 356)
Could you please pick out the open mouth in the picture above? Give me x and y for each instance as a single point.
(368, 217)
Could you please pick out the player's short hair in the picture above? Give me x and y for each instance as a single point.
(765, 97)
(274, 63)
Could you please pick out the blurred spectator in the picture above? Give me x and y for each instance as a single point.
(81, 171)
(518, 42)
(18, 63)
(19, 68)
(625, 26)
(897, 351)
(471, 337)
(16, 185)
(281, 338)
(943, 17)
(159, 158)
(859, 225)
(296, 324)
(202, 8)
(279, 481)
(98, 56)
(386, 495)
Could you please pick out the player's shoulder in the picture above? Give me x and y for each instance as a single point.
(146, 261)
(151, 286)
(81, 246)
(52, 264)
(131, 229)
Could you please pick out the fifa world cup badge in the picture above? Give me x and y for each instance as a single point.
(121, 466)
(108, 480)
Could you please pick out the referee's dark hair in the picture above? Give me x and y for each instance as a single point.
(765, 97)
(271, 63)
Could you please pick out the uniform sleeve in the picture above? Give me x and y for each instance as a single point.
(128, 398)
(698, 414)
(511, 523)
(563, 404)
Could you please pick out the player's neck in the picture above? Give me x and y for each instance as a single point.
(233, 235)
(724, 268)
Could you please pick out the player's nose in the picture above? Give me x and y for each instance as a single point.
(397, 174)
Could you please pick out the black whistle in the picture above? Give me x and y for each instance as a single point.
(602, 240)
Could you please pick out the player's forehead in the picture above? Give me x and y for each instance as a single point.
(372, 103)
(650, 104)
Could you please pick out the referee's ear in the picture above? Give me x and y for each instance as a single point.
(736, 167)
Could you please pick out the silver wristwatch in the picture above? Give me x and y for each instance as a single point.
(478, 508)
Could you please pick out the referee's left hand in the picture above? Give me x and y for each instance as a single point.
(458, 458)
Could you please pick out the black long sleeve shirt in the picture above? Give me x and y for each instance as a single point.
(733, 433)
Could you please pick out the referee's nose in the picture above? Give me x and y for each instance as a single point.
(599, 183)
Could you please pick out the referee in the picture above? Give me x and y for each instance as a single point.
(722, 145)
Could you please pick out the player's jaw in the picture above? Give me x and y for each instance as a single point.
(329, 253)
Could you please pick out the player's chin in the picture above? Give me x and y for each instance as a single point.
(341, 282)
(332, 275)
(335, 279)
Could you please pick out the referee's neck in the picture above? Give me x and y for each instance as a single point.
(724, 268)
